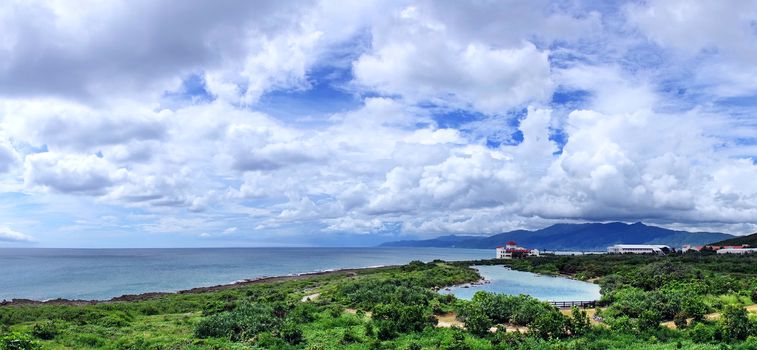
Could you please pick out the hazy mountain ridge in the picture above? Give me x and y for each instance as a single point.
(582, 237)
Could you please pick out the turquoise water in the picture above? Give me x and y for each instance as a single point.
(506, 281)
(42, 274)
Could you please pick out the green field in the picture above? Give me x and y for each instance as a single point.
(706, 297)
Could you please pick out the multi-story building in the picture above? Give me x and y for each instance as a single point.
(512, 250)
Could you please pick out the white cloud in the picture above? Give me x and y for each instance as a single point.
(715, 40)
(89, 125)
(8, 155)
(9, 235)
(74, 174)
(422, 63)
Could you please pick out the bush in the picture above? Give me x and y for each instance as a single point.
(394, 318)
(91, 340)
(550, 325)
(349, 337)
(702, 333)
(680, 320)
(458, 342)
(735, 323)
(241, 324)
(115, 319)
(579, 323)
(291, 334)
(476, 321)
(18, 341)
(46, 330)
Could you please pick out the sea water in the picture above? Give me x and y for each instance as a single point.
(98, 274)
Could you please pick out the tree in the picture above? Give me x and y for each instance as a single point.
(649, 320)
(476, 321)
(550, 325)
(579, 323)
(735, 323)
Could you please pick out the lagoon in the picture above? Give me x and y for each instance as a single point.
(503, 280)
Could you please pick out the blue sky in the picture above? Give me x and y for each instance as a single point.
(352, 123)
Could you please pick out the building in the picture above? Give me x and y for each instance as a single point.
(639, 249)
(714, 248)
(512, 250)
(737, 250)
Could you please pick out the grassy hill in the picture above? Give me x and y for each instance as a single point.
(751, 240)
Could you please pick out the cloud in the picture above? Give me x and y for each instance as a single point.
(450, 117)
(73, 174)
(8, 155)
(712, 41)
(62, 125)
(9, 235)
(130, 52)
(421, 60)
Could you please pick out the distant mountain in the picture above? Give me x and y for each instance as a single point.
(751, 240)
(581, 237)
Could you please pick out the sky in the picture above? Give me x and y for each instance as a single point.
(155, 123)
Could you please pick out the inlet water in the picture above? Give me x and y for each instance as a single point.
(503, 280)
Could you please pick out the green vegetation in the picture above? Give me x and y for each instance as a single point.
(750, 240)
(683, 301)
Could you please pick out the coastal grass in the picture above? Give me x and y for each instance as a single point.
(395, 308)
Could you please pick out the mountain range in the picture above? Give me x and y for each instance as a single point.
(573, 237)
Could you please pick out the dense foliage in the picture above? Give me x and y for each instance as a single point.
(648, 302)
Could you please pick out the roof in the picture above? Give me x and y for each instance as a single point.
(511, 243)
(641, 246)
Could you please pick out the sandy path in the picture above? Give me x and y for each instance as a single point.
(752, 309)
(450, 320)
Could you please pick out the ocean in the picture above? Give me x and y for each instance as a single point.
(100, 274)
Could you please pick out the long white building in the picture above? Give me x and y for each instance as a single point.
(737, 251)
(638, 249)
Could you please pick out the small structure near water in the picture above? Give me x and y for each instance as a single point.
(512, 250)
(639, 249)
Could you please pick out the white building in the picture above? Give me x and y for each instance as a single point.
(737, 250)
(638, 249)
(511, 250)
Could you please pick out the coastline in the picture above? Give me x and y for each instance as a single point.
(196, 290)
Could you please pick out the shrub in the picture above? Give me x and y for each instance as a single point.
(527, 309)
(680, 320)
(291, 334)
(394, 318)
(115, 319)
(701, 333)
(91, 340)
(458, 342)
(303, 313)
(735, 323)
(45, 330)
(550, 325)
(579, 323)
(18, 341)
(241, 324)
(414, 346)
(349, 337)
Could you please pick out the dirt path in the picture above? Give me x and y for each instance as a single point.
(589, 312)
(450, 320)
(310, 297)
(752, 309)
